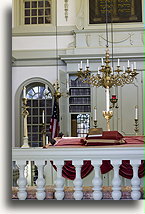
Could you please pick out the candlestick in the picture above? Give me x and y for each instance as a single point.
(25, 114)
(43, 116)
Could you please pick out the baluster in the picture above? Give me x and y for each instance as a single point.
(22, 181)
(59, 194)
(116, 182)
(97, 181)
(135, 181)
(78, 194)
(40, 194)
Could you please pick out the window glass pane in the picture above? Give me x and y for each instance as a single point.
(35, 120)
(27, 21)
(27, 4)
(34, 12)
(47, 20)
(40, 12)
(40, 20)
(47, 4)
(47, 12)
(35, 137)
(34, 21)
(29, 120)
(40, 4)
(35, 111)
(34, 4)
(42, 103)
(35, 103)
(29, 128)
(27, 12)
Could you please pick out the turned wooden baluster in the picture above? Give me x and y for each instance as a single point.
(78, 194)
(59, 194)
(22, 181)
(40, 194)
(135, 181)
(116, 182)
(97, 182)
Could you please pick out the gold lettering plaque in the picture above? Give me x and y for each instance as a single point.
(119, 11)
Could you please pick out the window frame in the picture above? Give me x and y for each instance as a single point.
(19, 28)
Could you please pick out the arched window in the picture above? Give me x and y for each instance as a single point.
(37, 102)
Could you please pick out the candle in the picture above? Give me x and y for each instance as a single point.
(43, 116)
(78, 67)
(98, 70)
(114, 97)
(123, 69)
(107, 99)
(95, 113)
(128, 64)
(118, 62)
(102, 61)
(136, 112)
(46, 140)
(81, 67)
(87, 63)
(24, 92)
(134, 65)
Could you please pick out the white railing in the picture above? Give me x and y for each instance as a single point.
(77, 156)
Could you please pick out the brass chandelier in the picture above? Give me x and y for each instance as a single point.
(108, 77)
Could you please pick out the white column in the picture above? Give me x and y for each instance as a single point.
(59, 183)
(116, 182)
(78, 194)
(135, 181)
(22, 181)
(107, 99)
(97, 182)
(40, 194)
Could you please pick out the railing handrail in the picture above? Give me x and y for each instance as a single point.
(83, 153)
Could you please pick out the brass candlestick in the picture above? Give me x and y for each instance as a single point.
(95, 123)
(108, 115)
(43, 134)
(136, 128)
(25, 114)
